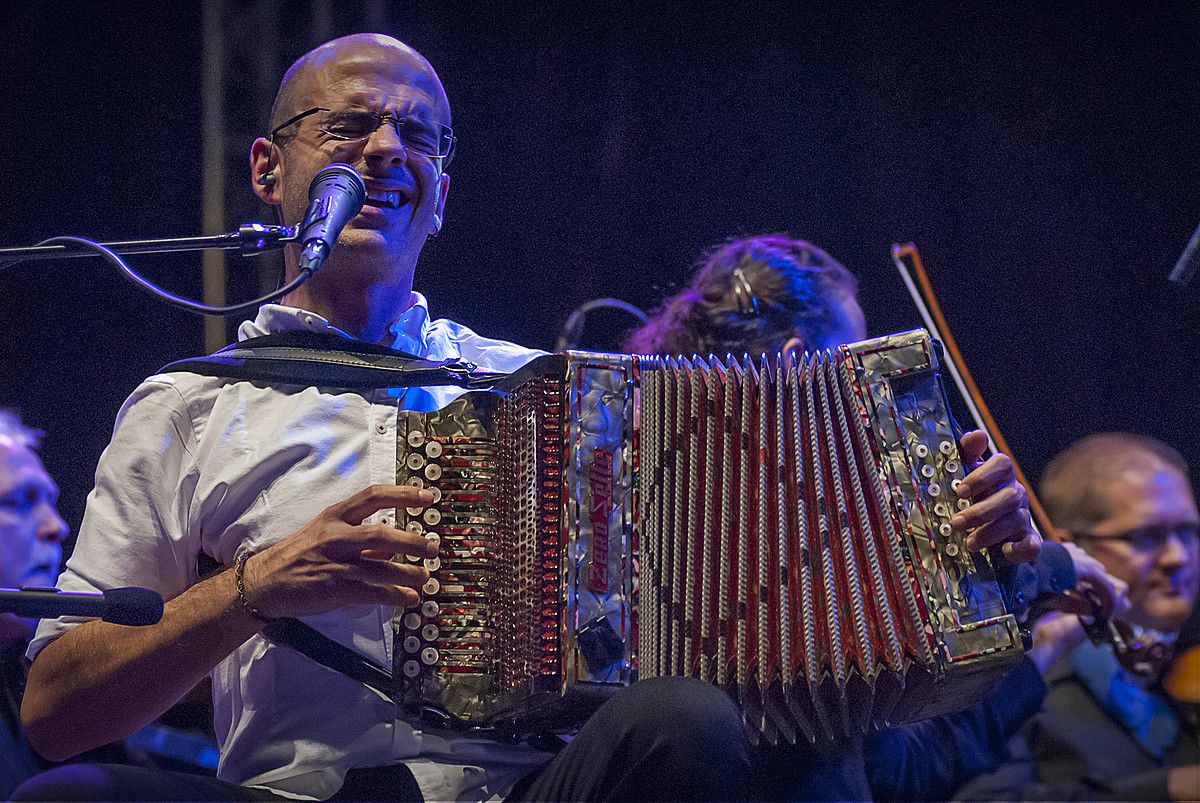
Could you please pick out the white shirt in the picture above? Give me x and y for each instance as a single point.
(206, 464)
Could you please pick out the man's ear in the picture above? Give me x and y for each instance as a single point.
(439, 205)
(794, 345)
(791, 350)
(266, 172)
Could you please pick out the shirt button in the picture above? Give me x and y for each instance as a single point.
(309, 320)
(381, 428)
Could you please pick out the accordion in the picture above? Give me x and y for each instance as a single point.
(777, 527)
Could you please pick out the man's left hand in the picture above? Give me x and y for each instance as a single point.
(999, 511)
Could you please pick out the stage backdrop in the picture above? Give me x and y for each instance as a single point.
(1045, 160)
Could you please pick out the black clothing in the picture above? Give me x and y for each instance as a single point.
(1075, 750)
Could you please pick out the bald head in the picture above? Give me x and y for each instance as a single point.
(302, 80)
(1075, 485)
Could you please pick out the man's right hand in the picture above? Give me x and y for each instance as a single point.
(336, 560)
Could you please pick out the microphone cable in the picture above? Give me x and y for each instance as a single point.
(114, 259)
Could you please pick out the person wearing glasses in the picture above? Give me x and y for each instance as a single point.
(292, 489)
(1107, 734)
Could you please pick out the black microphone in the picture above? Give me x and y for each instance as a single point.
(122, 606)
(335, 195)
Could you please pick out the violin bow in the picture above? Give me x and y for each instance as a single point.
(908, 262)
(1143, 656)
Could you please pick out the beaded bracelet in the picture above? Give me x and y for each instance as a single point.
(239, 577)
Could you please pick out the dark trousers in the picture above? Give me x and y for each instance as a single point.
(660, 739)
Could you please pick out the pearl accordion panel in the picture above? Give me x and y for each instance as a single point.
(778, 529)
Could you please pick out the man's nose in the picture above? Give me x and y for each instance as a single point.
(385, 146)
(51, 526)
(1176, 552)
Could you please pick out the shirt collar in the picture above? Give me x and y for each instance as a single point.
(409, 332)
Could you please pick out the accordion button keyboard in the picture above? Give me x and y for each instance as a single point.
(429, 609)
(415, 461)
(411, 669)
(415, 438)
(412, 620)
(431, 586)
(412, 644)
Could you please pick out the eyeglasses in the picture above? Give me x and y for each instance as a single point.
(433, 140)
(1152, 539)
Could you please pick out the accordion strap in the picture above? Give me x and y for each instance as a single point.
(313, 644)
(318, 359)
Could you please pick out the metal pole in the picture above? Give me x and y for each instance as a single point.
(212, 126)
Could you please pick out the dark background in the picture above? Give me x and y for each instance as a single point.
(1045, 160)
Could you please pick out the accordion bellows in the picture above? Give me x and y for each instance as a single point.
(777, 528)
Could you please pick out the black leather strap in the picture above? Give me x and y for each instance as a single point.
(318, 359)
(329, 653)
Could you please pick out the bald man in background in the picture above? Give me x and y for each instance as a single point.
(1107, 734)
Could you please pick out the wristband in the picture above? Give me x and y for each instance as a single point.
(239, 577)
